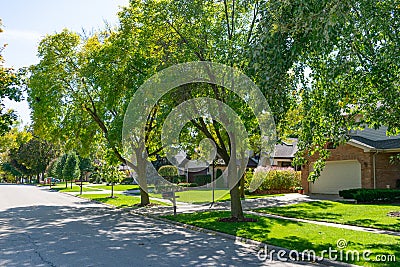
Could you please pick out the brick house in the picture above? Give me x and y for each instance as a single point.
(363, 162)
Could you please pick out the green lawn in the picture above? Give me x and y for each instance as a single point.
(75, 188)
(205, 196)
(120, 201)
(118, 187)
(298, 236)
(344, 213)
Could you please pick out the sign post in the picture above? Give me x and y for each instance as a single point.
(172, 197)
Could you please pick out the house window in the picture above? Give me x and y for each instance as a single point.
(286, 164)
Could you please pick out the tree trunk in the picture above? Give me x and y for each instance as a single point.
(66, 183)
(71, 183)
(233, 181)
(141, 172)
(112, 190)
(144, 198)
(242, 186)
(236, 204)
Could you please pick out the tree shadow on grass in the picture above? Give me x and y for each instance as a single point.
(391, 227)
(322, 250)
(304, 212)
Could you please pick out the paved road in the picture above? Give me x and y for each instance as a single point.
(42, 228)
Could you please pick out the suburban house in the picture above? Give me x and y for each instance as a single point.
(284, 155)
(363, 162)
(285, 152)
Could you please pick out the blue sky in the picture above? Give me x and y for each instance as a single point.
(26, 22)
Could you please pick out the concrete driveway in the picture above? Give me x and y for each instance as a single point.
(42, 228)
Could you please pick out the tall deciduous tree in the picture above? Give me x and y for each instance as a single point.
(35, 155)
(71, 169)
(59, 167)
(79, 90)
(343, 58)
(9, 88)
(219, 31)
(112, 175)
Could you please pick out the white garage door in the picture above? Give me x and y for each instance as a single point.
(338, 175)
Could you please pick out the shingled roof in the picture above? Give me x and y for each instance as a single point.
(286, 149)
(376, 139)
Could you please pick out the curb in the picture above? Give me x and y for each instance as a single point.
(260, 245)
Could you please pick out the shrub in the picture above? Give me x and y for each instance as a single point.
(202, 179)
(169, 172)
(349, 193)
(178, 179)
(377, 195)
(128, 180)
(188, 184)
(277, 178)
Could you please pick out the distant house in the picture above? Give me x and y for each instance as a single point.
(285, 152)
(363, 162)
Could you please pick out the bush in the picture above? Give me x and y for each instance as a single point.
(202, 179)
(178, 179)
(188, 184)
(277, 178)
(349, 193)
(168, 171)
(128, 180)
(377, 195)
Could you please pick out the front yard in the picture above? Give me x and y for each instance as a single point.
(75, 188)
(119, 201)
(205, 196)
(299, 236)
(371, 215)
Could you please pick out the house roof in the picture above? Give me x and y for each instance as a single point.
(286, 149)
(376, 139)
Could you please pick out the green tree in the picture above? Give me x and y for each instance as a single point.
(52, 168)
(342, 60)
(84, 85)
(112, 175)
(71, 169)
(35, 155)
(59, 167)
(168, 172)
(219, 31)
(10, 87)
(85, 166)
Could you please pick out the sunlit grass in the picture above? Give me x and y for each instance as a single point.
(119, 200)
(371, 215)
(298, 236)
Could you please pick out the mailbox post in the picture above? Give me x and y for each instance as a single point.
(80, 183)
(172, 197)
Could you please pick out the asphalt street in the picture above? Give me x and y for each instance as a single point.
(42, 228)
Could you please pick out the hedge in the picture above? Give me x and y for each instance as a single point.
(363, 195)
(202, 179)
(277, 178)
(188, 184)
(349, 193)
(178, 179)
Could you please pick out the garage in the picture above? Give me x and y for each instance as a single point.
(336, 176)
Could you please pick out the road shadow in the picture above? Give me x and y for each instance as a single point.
(92, 236)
